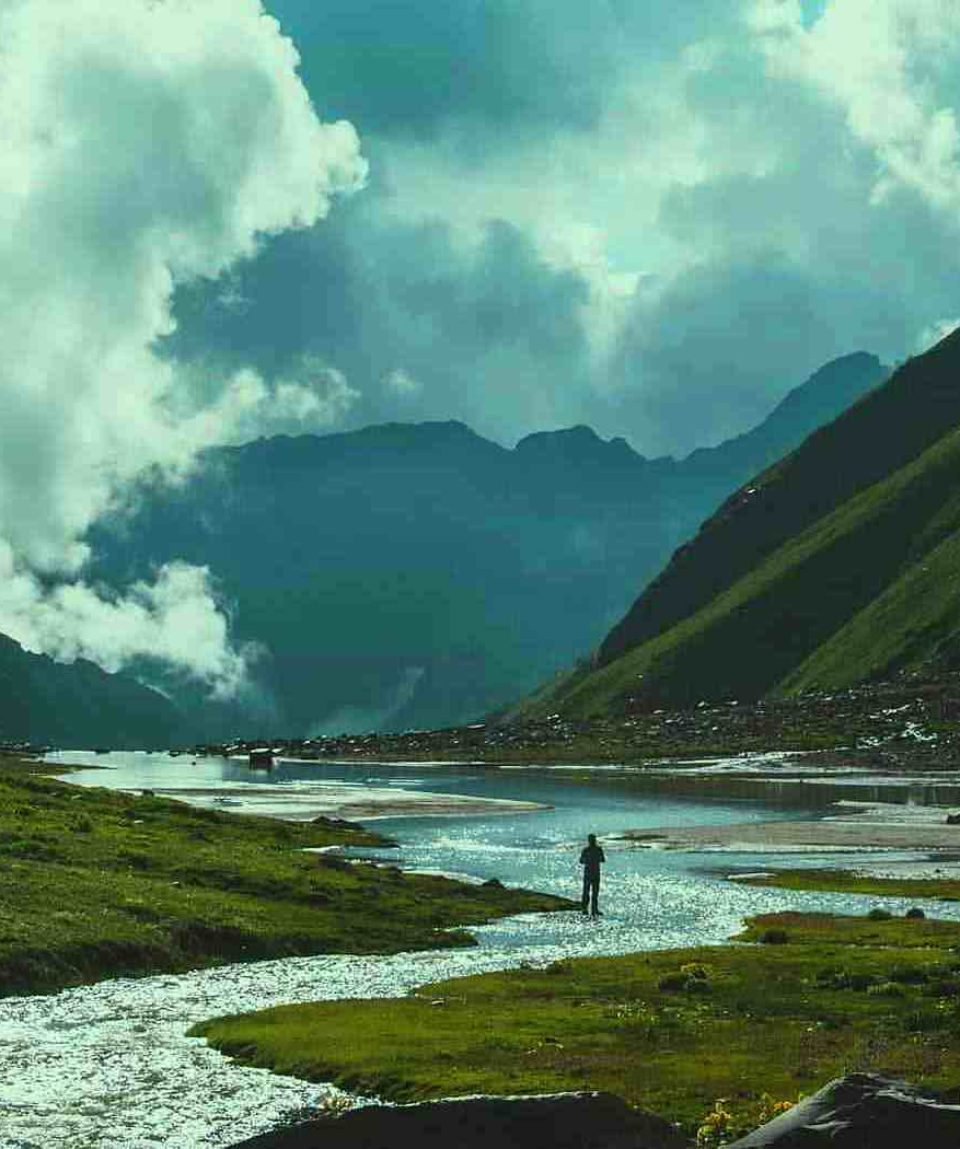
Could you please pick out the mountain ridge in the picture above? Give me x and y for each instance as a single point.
(808, 576)
(413, 575)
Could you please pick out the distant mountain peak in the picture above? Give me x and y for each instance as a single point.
(579, 443)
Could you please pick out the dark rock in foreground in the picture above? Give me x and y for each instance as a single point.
(862, 1111)
(558, 1121)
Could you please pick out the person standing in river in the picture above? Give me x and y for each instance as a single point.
(591, 858)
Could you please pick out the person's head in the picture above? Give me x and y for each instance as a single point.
(592, 839)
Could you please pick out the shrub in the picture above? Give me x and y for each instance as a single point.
(909, 974)
(915, 912)
(886, 989)
(690, 978)
(774, 937)
(879, 915)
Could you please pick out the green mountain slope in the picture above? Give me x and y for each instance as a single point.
(825, 590)
(887, 428)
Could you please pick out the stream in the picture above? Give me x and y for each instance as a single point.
(109, 1065)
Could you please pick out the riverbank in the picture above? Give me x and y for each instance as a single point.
(671, 1031)
(99, 884)
(908, 724)
(875, 826)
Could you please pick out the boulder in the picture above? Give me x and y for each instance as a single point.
(556, 1121)
(861, 1111)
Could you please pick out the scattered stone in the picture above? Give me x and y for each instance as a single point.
(492, 884)
(861, 1111)
(953, 819)
(915, 912)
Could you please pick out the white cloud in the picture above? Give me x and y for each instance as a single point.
(934, 333)
(145, 143)
(891, 65)
(249, 406)
(174, 620)
(401, 382)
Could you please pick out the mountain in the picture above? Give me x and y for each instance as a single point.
(835, 565)
(78, 705)
(419, 575)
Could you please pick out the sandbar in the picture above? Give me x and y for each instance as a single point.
(303, 802)
(856, 826)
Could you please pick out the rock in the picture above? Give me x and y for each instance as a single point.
(492, 884)
(953, 819)
(557, 1121)
(861, 1111)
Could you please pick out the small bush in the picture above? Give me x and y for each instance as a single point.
(686, 980)
(886, 989)
(909, 974)
(879, 915)
(843, 979)
(915, 912)
(774, 937)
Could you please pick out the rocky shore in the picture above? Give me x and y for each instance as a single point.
(909, 723)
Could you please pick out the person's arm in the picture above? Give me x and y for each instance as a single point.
(583, 857)
(602, 858)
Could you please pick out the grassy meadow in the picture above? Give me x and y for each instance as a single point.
(97, 884)
(848, 882)
(673, 1032)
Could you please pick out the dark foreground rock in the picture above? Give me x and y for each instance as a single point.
(862, 1111)
(558, 1121)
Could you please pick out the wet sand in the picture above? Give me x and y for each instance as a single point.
(298, 803)
(855, 826)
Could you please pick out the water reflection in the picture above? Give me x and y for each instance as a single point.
(650, 897)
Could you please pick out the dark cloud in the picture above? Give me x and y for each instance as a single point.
(703, 359)
(421, 326)
(737, 195)
(408, 67)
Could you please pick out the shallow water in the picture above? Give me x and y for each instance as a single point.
(109, 1065)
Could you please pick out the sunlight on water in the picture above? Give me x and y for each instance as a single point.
(108, 1066)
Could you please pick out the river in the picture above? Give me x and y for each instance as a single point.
(109, 1066)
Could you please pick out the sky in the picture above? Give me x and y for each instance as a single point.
(222, 220)
(651, 218)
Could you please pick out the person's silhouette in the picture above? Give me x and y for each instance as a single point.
(591, 857)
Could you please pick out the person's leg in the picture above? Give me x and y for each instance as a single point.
(585, 897)
(595, 895)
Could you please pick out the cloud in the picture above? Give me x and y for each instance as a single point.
(934, 333)
(401, 382)
(487, 330)
(315, 398)
(555, 192)
(891, 66)
(146, 145)
(175, 621)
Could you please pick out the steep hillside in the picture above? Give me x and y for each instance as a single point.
(819, 573)
(884, 430)
(419, 575)
(78, 705)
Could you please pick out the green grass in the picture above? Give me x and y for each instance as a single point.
(878, 573)
(670, 1031)
(95, 884)
(846, 882)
